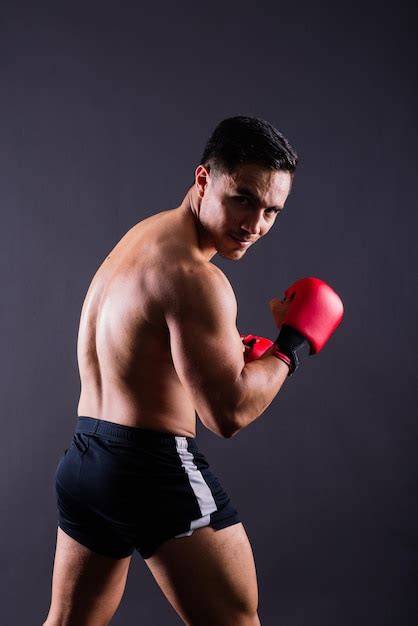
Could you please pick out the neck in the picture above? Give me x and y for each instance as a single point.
(191, 205)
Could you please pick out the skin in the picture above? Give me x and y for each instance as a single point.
(157, 343)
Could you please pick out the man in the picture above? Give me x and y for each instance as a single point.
(157, 343)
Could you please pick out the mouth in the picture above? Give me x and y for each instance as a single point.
(244, 243)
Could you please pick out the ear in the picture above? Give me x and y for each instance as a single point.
(202, 176)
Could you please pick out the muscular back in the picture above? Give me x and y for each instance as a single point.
(124, 354)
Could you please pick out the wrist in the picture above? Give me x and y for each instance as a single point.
(291, 347)
(275, 351)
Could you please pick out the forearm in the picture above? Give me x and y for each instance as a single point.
(256, 387)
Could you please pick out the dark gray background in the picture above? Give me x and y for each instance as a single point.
(105, 109)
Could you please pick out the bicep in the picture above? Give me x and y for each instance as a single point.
(205, 344)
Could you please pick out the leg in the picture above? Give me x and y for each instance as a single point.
(210, 577)
(87, 587)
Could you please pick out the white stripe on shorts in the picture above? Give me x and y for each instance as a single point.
(200, 488)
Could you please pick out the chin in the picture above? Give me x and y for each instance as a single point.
(232, 255)
(228, 251)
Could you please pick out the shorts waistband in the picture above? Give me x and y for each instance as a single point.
(95, 426)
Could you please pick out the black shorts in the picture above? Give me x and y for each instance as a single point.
(121, 488)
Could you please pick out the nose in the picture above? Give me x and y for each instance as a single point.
(252, 224)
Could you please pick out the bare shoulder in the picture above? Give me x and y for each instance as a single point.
(187, 285)
(222, 278)
(177, 272)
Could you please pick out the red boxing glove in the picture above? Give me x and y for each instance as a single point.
(254, 347)
(314, 313)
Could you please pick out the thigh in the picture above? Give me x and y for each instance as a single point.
(87, 587)
(209, 577)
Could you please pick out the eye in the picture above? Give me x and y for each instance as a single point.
(243, 200)
(272, 211)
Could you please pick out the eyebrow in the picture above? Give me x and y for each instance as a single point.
(246, 191)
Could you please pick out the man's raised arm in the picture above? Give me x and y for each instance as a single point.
(200, 310)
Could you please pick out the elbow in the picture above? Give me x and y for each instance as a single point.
(228, 433)
(225, 424)
(224, 427)
(233, 420)
(231, 427)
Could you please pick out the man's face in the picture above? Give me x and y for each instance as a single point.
(241, 207)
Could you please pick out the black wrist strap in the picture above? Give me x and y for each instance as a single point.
(293, 345)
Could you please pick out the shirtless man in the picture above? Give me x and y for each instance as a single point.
(157, 343)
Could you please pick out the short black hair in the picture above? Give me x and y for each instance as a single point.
(242, 139)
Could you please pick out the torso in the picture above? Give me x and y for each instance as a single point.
(126, 370)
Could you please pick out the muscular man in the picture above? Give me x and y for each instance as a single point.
(157, 344)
